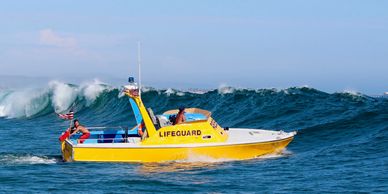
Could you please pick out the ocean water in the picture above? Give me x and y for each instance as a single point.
(341, 146)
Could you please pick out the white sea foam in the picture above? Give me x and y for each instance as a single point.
(2, 111)
(3, 94)
(91, 90)
(197, 91)
(29, 102)
(147, 89)
(352, 92)
(65, 95)
(193, 158)
(224, 89)
(27, 159)
(169, 91)
(283, 153)
(180, 93)
(23, 103)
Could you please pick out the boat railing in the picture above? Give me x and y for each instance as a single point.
(106, 128)
(125, 139)
(109, 140)
(97, 128)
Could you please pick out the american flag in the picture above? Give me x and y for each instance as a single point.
(132, 92)
(68, 116)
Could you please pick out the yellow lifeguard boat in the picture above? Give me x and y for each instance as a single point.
(200, 136)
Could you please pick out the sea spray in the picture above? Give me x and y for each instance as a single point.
(91, 90)
(63, 95)
(224, 89)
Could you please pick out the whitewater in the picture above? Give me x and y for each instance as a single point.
(340, 146)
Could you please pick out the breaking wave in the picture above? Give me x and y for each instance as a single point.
(57, 97)
(308, 110)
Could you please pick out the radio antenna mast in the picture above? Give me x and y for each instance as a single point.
(139, 65)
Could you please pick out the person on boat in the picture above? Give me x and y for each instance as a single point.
(85, 132)
(180, 117)
(141, 129)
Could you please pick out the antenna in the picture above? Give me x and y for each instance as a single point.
(139, 64)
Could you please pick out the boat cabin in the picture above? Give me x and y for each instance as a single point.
(120, 134)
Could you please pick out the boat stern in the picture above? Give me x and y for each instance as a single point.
(67, 151)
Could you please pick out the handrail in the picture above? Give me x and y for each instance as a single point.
(121, 127)
(125, 140)
(104, 127)
(106, 138)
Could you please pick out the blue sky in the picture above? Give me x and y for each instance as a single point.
(328, 45)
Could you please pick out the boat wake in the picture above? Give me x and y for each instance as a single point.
(195, 162)
(206, 159)
(203, 159)
(283, 153)
(12, 159)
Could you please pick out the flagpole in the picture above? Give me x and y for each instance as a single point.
(70, 127)
(68, 116)
(71, 120)
(139, 64)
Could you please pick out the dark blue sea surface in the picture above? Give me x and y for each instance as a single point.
(341, 144)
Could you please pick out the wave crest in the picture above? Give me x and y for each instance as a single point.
(59, 97)
(91, 90)
(63, 95)
(256, 105)
(23, 103)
